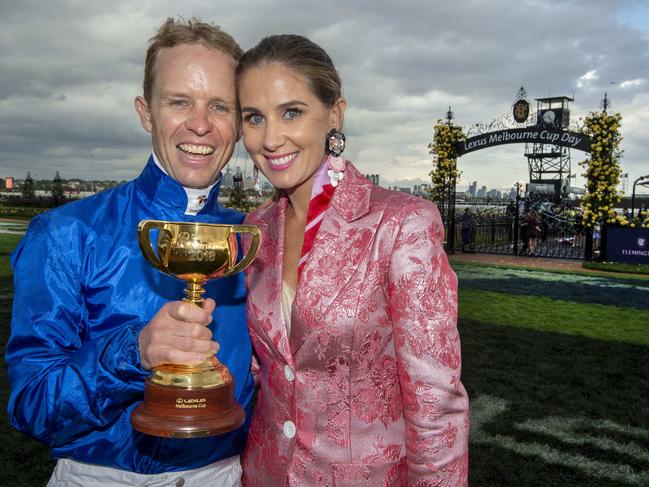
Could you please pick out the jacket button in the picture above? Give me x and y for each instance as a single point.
(289, 373)
(180, 482)
(289, 429)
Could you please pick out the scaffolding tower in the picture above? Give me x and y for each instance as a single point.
(549, 164)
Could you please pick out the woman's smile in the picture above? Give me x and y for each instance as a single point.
(281, 162)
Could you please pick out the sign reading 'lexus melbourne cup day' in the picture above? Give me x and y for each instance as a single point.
(531, 135)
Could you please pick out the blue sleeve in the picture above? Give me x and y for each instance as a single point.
(64, 382)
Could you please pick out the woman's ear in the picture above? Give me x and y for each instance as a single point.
(338, 114)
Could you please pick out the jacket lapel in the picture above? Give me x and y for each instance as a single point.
(264, 277)
(343, 240)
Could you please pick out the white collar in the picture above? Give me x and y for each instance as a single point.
(196, 198)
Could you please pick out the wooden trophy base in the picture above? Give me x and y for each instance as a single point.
(170, 411)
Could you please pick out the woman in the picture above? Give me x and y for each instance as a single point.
(468, 231)
(533, 222)
(351, 303)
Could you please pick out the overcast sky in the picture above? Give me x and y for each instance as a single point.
(69, 71)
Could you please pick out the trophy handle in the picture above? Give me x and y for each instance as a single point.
(252, 251)
(143, 230)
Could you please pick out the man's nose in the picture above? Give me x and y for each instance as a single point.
(199, 121)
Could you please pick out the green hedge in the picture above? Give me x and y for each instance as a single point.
(618, 267)
(22, 212)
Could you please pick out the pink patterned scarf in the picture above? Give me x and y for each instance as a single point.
(321, 195)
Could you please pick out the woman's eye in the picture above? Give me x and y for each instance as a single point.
(255, 118)
(291, 113)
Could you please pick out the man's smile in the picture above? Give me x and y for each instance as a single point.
(196, 150)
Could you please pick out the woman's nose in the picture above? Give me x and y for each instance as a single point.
(273, 136)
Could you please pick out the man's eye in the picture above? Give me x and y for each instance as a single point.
(178, 103)
(220, 108)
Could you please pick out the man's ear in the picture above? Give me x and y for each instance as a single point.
(142, 109)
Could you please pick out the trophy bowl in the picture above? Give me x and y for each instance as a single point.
(192, 401)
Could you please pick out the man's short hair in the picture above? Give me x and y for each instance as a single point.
(193, 31)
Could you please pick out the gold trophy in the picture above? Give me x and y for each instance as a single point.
(183, 401)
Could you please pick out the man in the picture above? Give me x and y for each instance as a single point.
(91, 317)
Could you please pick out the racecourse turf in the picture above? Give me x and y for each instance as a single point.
(556, 366)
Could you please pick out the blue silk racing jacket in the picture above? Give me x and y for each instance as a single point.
(83, 292)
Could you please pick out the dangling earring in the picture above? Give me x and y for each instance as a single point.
(255, 179)
(334, 147)
(336, 170)
(335, 143)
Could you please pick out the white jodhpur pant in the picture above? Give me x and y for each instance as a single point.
(69, 473)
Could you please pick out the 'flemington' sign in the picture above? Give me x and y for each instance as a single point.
(629, 245)
(530, 135)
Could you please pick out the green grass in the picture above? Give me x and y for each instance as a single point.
(557, 370)
(601, 322)
(554, 410)
(556, 365)
(7, 245)
(587, 269)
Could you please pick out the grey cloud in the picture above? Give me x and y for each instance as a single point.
(71, 69)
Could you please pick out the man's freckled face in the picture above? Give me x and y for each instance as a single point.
(192, 114)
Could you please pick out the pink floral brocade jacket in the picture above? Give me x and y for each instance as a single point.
(366, 389)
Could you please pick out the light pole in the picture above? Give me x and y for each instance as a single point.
(518, 185)
(645, 184)
(450, 199)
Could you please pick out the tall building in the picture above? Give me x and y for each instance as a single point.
(227, 178)
(421, 190)
(494, 194)
(473, 188)
(624, 183)
(482, 192)
(374, 178)
(237, 180)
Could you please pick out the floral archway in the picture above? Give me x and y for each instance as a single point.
(602, 170)
(598, 135)
(445, 175)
